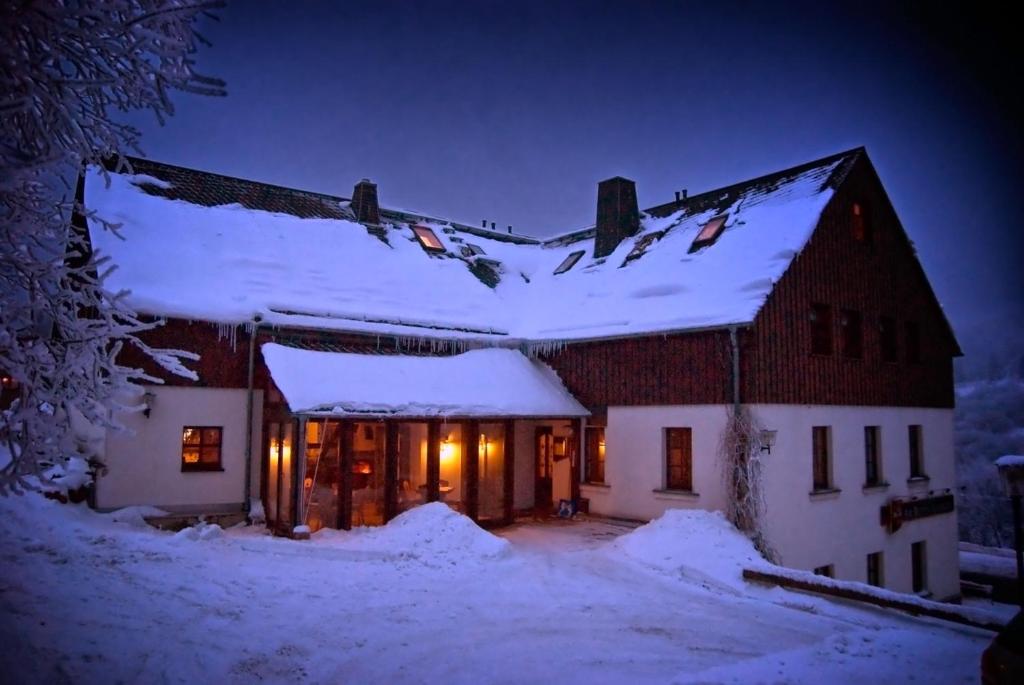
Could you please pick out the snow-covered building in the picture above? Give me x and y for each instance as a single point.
(359, 360)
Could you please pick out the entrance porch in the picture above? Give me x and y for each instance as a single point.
(358, 439)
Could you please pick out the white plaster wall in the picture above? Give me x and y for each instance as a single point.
(841, 529)
(145, 468)
(806, 531)
(635, 458)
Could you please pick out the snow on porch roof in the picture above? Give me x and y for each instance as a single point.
(488, 382)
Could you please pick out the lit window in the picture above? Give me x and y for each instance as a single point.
(709, 234)
(428, 239)
(200, 448)
(860, 225)
(568, 262)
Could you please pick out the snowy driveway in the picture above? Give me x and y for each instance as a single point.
(88, 600)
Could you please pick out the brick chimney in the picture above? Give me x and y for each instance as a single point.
(617, 214)
(364, 202)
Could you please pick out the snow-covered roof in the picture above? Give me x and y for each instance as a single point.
(207, 247)
(489, 382)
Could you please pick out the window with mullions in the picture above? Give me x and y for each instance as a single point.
(679, 459)
(821, 467)
(821, 329)
(914, 450)
(569, 262)
(872, 460)
(201, 448)
(853, 336)
(428, 239)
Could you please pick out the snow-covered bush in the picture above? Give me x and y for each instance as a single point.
(65, 68)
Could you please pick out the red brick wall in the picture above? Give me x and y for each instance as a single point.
(677, 369)
(883, 279)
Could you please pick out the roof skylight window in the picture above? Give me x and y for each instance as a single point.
(709, 234)
(641, 245)
(428, 239)
(569, 262)
(475, 249)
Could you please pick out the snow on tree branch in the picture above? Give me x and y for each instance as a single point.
(66, 70)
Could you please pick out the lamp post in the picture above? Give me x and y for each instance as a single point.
(1011, 470)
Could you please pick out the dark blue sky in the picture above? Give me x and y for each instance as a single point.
(513, 111)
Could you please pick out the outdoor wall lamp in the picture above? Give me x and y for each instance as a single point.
(767, 440)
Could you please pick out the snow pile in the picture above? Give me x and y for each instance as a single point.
(201, 531)
(396, 385)
(135, 516)
(1010, 460)
(697, 545)
(71, 475)
(434, 533)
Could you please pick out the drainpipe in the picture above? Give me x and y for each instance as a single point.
(249, 415)
(734, 344)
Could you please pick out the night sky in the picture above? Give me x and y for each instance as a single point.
(514, 111)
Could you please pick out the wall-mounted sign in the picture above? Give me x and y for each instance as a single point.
(898, 510)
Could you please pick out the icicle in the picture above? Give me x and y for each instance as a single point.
(228, 331)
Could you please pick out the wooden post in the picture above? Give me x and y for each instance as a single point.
(345, 470)
(433, 461)
(279, 522)
(510, 471)
(471, 467)
(390, 471)
(298, 471)
(575, 475)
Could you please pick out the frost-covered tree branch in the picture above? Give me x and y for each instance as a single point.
(67, 70)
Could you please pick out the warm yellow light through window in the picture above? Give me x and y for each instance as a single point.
(447, 449)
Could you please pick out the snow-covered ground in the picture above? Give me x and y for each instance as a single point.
(431, 598)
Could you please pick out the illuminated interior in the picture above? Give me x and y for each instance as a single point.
(428, 239)
(412, 465)
(321, 492)
(709, 234)
(452, 468)
(368, 454)
(491, 456)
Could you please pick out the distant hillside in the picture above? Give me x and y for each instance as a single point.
(989, 422)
